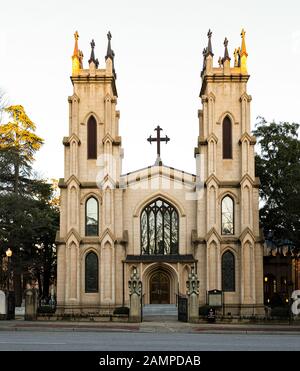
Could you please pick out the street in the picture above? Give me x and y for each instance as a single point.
(138, 341)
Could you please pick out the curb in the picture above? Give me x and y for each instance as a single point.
(153, 329)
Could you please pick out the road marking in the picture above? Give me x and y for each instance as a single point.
(30, 343)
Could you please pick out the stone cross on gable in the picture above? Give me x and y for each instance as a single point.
(158, 140)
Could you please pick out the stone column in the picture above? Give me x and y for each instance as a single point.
(31, 304)
(193, 296)
(135, 292)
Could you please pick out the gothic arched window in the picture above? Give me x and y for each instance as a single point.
(227, 138)
(91, 272)
(228, 272)
(227, 217)
(91, 217)
(159, 229)
(91, 138)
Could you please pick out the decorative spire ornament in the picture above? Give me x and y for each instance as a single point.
(204, 52)
(220, 61)
(226, 54)
(209, 47)
(92, 57)
(109, 53)
(236, 57)
(243, 47)
(76, 61)
(243, 54)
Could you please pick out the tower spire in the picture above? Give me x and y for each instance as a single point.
(209, 47)
(109, 53)
(226, 54)
(243, 47)
(92, 57)
(204, 53)
(243, 53)
(76, 57)
(76, 37)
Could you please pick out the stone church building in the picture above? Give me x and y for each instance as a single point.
(161, 220)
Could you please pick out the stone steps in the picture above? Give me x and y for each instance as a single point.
(163, 310)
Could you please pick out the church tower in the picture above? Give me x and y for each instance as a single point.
(92, 169)
(229, 250)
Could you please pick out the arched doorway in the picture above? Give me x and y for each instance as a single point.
(159, 288)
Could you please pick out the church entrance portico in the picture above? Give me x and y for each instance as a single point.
(159, 288)
(160, 283)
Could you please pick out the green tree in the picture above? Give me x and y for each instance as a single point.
(28, 216)
(18, 143)
(28, 227)
(278, 167)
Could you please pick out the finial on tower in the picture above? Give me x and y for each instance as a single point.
(209, 47)
(220, 61)
(92, 57)
(236, 55)
(243, 47)
(243, 53)
(77, 56)
(204, 59)
(80, 59)
(226, 54)
(109, 53)
(76, 37)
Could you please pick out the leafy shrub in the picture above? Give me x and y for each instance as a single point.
(122, 310)
(203, 310)
(46, 309)
(282, 312)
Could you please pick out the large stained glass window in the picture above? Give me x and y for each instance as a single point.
(91, 272)
(159, 229)
(228, 272)
(227, 215)
(91, 217)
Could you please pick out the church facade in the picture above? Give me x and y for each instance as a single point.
(161, 220)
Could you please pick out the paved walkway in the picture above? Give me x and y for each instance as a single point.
(161, 326)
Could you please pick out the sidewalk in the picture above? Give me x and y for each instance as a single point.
(153, 327)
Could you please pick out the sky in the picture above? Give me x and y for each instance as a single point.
(158, 46)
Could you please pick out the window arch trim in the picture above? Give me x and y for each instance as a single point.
(164, 196)
(85, 197)
(230, 115)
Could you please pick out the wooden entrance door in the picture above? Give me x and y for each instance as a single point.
(159, 288)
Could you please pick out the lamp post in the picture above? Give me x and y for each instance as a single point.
(8, 253)
(290, 290)
(10, 294)
(266, 289)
